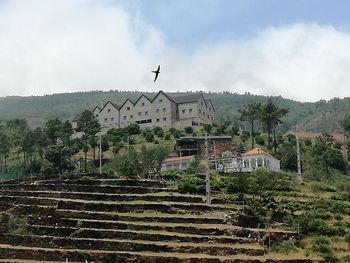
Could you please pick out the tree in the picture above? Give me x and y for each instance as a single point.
(89, 126)
(251, 113)
(152, 158)
(326, 155)
(4, 149)
(59, 157)
(346, 126)
(271, 117)
(57, 129)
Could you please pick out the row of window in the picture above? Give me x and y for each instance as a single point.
(142, 121)
(164, 109)
(142, 104)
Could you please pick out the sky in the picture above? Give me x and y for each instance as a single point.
(298, 49)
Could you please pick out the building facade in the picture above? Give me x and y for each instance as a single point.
(217, 145)
(248, 162)
(162, 110)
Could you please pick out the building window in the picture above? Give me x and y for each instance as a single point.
(106, 119)
(190, 110)
(209, 108)
(146, 112)
(142, 104)
(109, 110)
(131, 116)
(157, 110)
(140, 113)
(157, 119)
(124, 117)
(127, 108)
(199, 111)
(202, 103)
(212, 118)
(183, 111)
(160, 101)
(208, 116)
(112, 119)
(164, 119)
(164, 109)
(203, 113)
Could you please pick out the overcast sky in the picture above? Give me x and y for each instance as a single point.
(299, 49)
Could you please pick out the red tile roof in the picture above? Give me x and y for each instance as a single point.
(256, 151)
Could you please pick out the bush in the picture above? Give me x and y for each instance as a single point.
(322, 244)
(159, 132)
(171, 175)
(149, 137)
(192, 185)
(16, 225)
(284, 247)
(189, 130)
(167, 137)
(260, 140)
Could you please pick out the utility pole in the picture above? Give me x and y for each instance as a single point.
(214, 145)
(207, 174)
(100, 154)
(298, 153)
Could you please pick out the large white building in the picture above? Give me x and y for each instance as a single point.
(162, 110)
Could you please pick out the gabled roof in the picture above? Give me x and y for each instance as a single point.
(166, 95)
(256, 151)
(76, 117)
(113, 104)
(143, 95)
(126, 102)
(211, 103)
(97, 108)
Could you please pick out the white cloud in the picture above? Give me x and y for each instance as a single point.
(49, 46)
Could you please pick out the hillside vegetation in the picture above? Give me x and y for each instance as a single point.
(320, 116)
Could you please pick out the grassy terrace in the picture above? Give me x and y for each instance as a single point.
(67, 220)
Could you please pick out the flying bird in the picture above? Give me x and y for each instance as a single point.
(156, 72)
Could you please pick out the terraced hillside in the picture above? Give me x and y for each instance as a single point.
(119, 220)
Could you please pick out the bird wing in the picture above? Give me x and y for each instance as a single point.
(158, 68)
(155, 78)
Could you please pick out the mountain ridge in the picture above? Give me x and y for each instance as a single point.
(320, 116)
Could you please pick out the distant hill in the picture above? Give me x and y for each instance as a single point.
(320, 116)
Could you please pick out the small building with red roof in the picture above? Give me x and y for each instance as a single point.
(248, 162)
(258, 158)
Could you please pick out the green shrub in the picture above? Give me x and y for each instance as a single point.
(284, 247)
(171, 175)
(191, 184)
(149, 137)
(322, 244)
(321, 187)
(338, 217)
(167, 137)
(347, 238)
(189, 130)
(260, 140)
(17, 225)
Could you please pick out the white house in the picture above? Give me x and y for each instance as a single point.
(248, 162)
(257, 158)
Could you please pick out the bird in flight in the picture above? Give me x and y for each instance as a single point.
(156, 72)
